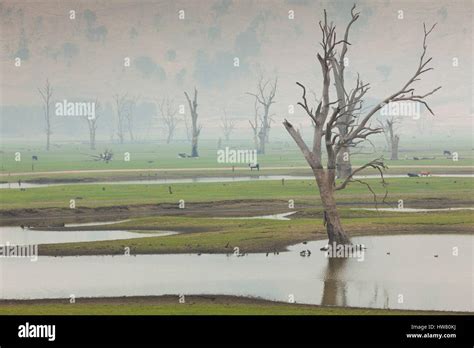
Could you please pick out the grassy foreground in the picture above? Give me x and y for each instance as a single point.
(208, 235)
(194, 305)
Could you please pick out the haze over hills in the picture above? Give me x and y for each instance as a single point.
(84, 59)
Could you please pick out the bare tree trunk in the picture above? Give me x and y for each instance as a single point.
(120, 105)
(394, 139)
(261, 141)
(332, 221)
(92, 139)
(196, 129)
(394, 147)
(46, 94)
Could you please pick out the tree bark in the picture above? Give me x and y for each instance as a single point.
(332, 221)
(343, 163)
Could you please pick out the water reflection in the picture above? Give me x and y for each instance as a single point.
(334, 290)
(393, 265)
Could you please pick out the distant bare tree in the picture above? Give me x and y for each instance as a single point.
(388, 127)
(227, 126)
(254, 124)
(189, 131)
(46, 94)
(168, 114)
(265, 97)
(131, 104)
(196, 129)
(92, 124)
(121, 106)
(327, 116)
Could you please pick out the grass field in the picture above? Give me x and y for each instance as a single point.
(208, 235)
(194, 305)
(102, 195)
(162, 156)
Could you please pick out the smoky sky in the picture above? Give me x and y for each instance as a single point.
(83, 57)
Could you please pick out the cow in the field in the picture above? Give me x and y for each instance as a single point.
(34, 158)
(254, 166)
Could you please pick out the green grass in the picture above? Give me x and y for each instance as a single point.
(93, 195)
(264, 308)
(221, 236)
(283, 153)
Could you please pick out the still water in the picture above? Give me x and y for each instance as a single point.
(19, 236)
(403, 271)
(157, 181)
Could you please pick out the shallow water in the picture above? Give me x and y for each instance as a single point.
(18, 236)
(411, 270)
(213, 180)
(414, 210)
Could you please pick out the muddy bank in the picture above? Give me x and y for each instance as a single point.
(57, 217)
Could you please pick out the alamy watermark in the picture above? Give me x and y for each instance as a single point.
(229, 155)
(345, 251)
(24, 251)
(401, 108)
(67, 108)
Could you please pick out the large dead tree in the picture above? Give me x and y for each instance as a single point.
(46, 94)
(196, 129)
(168, 114)
(265, 97)
(227, 126)
(393, 139)
(329, 114)
(92, 124)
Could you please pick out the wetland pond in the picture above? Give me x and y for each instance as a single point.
(421, 272)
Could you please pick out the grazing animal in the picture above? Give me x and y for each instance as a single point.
(412, 175)
(425, 173)
(183, 155)
(34, 158)
(254, 166)
(447, 153)
(416, 158)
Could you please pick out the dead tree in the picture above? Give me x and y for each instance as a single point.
(46, 94)
(265, 97)
(388, 127)
(254, 124)
(343, 160)
(130, 115)
(227, 126)
(92, 124)
(329, 114)
(189, 135)
(168, 114)
(196, 129)
(121, 106)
